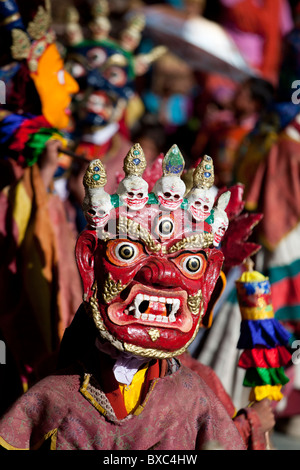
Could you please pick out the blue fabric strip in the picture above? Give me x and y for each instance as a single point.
(268, 333)
(9, 125)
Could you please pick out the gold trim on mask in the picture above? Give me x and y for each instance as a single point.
(40, 24)
(203, 176)
(135, 229)
(129, 165)
(194, 302)
(111, 289)
(92, 310)
(95, 178)
(20, 44)
(159, 354)
(154, 334)
(200, 240)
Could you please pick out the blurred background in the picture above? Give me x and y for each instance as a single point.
(216, 77)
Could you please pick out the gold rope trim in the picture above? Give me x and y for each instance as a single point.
(8, 446)
(158, 354)
(89, 397)
(52, 435)
(136, 230)
(201, 240)
(141, 407)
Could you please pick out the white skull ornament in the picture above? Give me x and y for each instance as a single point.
(96, 208)
(133, 192)
(97, 202)
(201, 202)
(133, 189)
(170, 188)
(221, 222)
(202, 195)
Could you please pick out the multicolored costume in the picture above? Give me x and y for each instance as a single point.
(149, 270)
(31, 116)
(37, 240)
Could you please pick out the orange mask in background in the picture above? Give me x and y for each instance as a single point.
(55, 87)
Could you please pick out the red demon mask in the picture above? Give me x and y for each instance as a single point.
(148, 274)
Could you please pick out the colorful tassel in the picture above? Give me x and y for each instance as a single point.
(262, 376)
(262, 338)
(263, 357)
(272, 392)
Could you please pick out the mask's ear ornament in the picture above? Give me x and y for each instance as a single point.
(133, 189)
(170, 188)
(221, 222)
(97, 202)
(201, 197)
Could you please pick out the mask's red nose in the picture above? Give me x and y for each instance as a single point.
(158, 272)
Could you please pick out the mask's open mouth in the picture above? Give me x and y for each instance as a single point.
(149, 306)
(136, 202)
(198, 214)
(170, 204)
(154, 308)
(99, 221)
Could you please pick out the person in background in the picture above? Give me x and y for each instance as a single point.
(222, 131)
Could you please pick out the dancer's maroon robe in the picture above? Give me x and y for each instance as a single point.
(68, 412)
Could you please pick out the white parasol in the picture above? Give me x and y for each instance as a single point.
(202, 43)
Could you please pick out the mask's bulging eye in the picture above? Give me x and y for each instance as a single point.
(125, 251)
(166, 227)
(116, 76)
(96, 57)
(193, 264)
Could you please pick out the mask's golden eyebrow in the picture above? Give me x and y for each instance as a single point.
(129, 227)
(200, 240)
(136, 230)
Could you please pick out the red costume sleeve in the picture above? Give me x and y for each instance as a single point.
(247, 420)
(248, 424)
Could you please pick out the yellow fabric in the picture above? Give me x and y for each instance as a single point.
(255, 313)
(273, 392)
(21, 210)
(7, 446)
(61, 139)
(131, 393)
(252, 276)
(64, 160)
